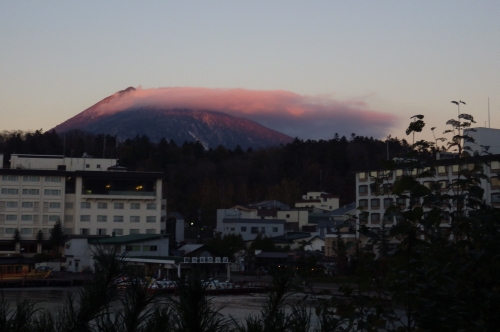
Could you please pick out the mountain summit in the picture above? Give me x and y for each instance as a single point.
(117, 115)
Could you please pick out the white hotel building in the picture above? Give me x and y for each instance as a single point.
(90, 196)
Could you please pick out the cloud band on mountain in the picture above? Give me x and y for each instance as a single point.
(306, 117)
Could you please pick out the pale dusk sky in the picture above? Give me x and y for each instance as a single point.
(393, 59)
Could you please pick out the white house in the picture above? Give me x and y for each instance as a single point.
(250, 228)
(318, 199)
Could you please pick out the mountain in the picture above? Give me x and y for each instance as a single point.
(115, 116)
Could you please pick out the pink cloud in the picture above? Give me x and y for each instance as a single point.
(306, 117)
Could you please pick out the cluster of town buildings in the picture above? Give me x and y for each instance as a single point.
(103, 204)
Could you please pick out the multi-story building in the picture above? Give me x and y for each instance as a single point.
(90, 196)
(444, 172)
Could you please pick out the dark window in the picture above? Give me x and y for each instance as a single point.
(363, 190)
(388, 202)
(495, 198)
(375, 203)
(363, 203)
(254, 230)
(243, 229)
(375, 218)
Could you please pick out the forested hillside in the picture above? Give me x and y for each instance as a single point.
(204, 180)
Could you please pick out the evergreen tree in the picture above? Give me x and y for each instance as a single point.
(17, 236)
(56, 236)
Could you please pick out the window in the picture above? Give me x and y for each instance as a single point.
(85, 217)
(232, 229)
(102, 218)
(31, 192)
(11, 204)
(85, 205)
(135, 206)
(135, 218)
(10, 178)
(149, 248)
(117, 218)
(373, 174)
(31, 178)
(275, 229)
(454, 169)
(375, 188)
(428, 184)
(10, 230)
(414, 201)
(87, 165)
(101, 205)
(134, 231)
(54, 218)
(133, 248)
(375, 218)
(362, 176)
(495, 165)
(262, 229)
(52, 192)
(388, 217)
(98, 166)
(495, 198)
(254, 230)
(26, 231)
(401, 201)
(84, 231)
(151, 206)
(443, 184)
(101, 231)
(150, 219)
(288, 216)
(54, 205)
(26, 217)
(495, 182)
(52, 179)
(363, 203)
(27, 205)
(11, 217)
(387, 188)
(399, 173)
(442, 170)
(363, 217)
(118, 206)
(10, 191)
(243, 229)
(150, 231)
(375, 203)
(118, 231)
(68, 205)
(388, 202)
(363, 190)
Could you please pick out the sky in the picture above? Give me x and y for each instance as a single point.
(374, 63)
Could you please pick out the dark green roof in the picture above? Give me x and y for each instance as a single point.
(126, 239)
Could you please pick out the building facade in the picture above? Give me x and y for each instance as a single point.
(89, 196)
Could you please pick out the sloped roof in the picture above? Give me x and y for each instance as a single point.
(190, 247)
(343, 210)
